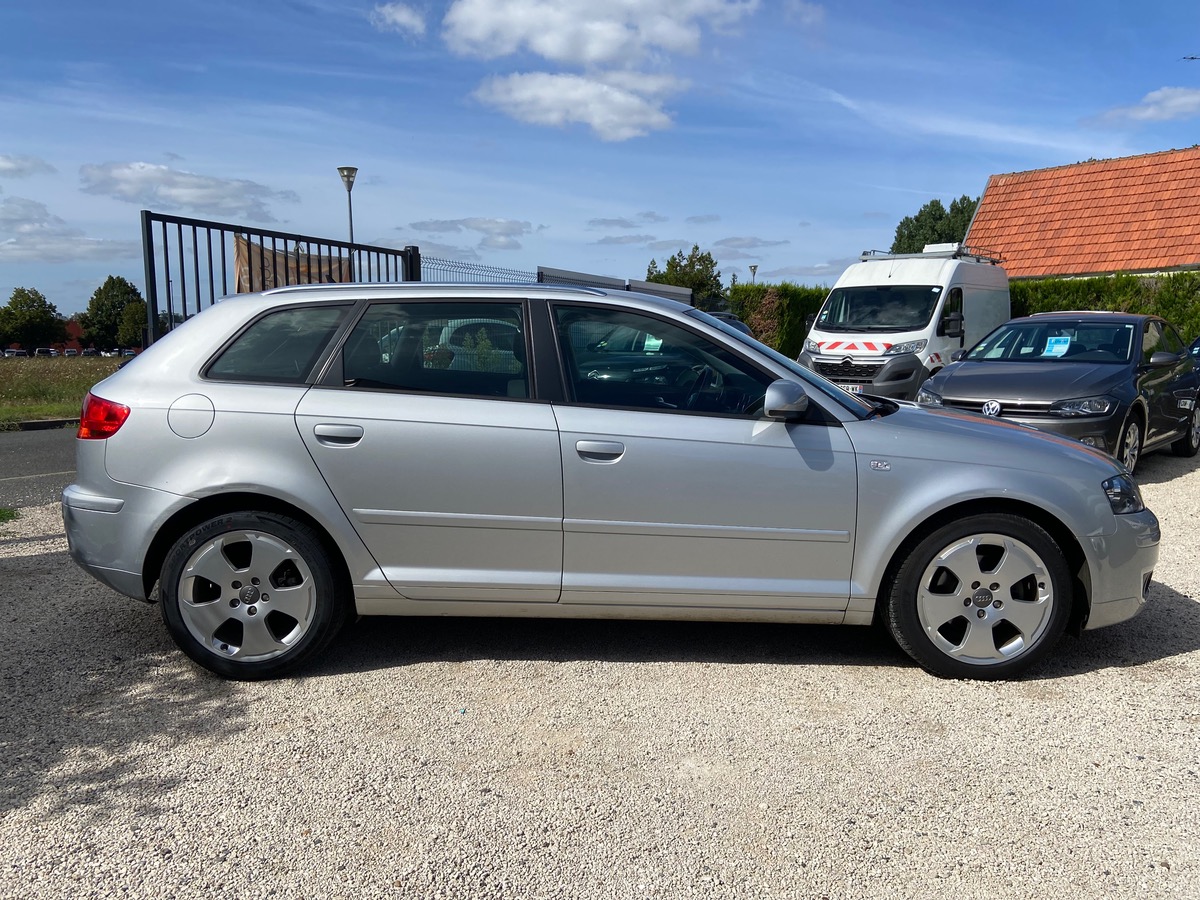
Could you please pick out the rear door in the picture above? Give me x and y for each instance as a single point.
(450, 473)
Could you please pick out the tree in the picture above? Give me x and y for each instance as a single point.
(31, 320)
(102, 320)
(934, 224)
(133, 324)
(697, 271)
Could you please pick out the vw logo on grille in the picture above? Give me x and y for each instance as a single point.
(991, 408)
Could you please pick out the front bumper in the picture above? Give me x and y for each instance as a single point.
(1123, 565)
(898, 377)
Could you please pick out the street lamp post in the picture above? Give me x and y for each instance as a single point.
(753, 272)
(348, 173)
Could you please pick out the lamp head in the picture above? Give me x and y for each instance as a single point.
(348, 173)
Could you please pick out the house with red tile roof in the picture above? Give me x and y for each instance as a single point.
(1136, 214)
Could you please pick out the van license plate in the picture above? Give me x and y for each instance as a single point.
(851, 388)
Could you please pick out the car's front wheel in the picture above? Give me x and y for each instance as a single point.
(1189, 441)
(984, 597)
(251, 595)
(1130, 450)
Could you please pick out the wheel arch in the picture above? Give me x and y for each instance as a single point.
(1061, 534)
(220, 504)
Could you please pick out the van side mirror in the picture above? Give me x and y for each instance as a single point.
(809, 321)
(951, 325)
(785, 400)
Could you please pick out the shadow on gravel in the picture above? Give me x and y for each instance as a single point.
(1168, 626)
(93, 693)
(1164, 467)
(379, 643)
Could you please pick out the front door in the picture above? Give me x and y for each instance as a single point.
(677, 492)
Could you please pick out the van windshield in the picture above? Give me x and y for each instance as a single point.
(879, 308)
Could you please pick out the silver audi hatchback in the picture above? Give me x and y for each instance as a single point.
(284, 461)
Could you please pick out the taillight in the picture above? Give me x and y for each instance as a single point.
(100, 418)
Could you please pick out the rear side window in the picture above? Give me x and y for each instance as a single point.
(281, 347)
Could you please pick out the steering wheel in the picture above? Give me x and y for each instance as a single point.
(704, 379)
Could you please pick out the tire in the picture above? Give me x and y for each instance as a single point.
(1189, 441)
(251, 595)
(1129, 451)
(985, 597)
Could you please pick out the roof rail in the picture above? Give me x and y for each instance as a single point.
(939, 251)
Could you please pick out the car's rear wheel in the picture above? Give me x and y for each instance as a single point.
(984, 597)
(1189, 441)
(251, 595)
(1130, 449)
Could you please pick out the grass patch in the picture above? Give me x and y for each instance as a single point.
(7, 515)
(34, 388)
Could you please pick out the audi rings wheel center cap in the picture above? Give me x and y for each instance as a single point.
(249, 594)
(982, 598)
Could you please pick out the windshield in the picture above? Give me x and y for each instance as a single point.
(879, 308)
(1040, 341)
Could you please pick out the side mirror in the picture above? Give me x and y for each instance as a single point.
(957, 355)
(951, 325)
(785, 400)
(1161, 359)
(809, 321)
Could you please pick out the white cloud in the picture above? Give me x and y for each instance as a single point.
(651, 216)
(559, 100)
(498, 234)
(746, 243)
(809, 15)
(1162, 105)
(669, 245)
(398, 17)
(611, 223)
(167, 189)
(584, 32)
(37, 235)
(627, 239)
(23, 166)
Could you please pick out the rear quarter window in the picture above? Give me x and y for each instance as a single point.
(280, 348)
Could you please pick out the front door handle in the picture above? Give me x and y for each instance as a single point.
(338, 435)
(600, 451)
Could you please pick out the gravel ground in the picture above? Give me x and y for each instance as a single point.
(477, 759)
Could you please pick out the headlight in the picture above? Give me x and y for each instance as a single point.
(928, 397)
(906, 347)
(1083, 406)
(1123, 495)
(811, 346)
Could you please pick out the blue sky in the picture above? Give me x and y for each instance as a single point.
(580, 134)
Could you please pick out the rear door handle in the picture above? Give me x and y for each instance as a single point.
(600, 451)
(338, 435)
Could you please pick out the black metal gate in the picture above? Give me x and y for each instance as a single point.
(191, 263)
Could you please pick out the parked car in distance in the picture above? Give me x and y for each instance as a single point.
(265, 475)
(91, 351)
(45, 352)
(11, 353)
(70, 351)
(733, 321)
(1120, 382)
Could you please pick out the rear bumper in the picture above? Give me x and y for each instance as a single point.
(108, 536)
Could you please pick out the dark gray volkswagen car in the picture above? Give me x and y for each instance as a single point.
(1120, 382)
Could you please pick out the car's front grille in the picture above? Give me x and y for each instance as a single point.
(1023, 409)
(843, 371)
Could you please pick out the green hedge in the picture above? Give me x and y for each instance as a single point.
(777, 313)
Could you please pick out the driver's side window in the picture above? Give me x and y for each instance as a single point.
(632, 360)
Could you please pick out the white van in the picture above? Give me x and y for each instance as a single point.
(892, 320)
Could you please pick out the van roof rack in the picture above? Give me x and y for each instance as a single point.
(939, 251)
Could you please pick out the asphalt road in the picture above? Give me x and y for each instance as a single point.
(35, 466)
